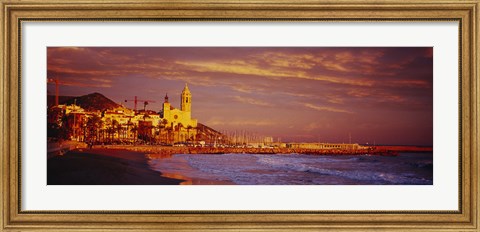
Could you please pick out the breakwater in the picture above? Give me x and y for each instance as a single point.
(167, 151)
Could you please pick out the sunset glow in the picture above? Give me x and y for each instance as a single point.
(372, 95)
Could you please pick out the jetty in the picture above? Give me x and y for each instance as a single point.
(167, 151)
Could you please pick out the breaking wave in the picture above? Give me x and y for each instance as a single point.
(299, 169)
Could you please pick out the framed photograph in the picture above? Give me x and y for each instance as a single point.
(252, 115)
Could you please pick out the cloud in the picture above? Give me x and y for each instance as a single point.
(233, 67)
(284, 60)
(329, 97)
(251, 101)
(326, 108)
(272, 71)
(335, 99)
(245, 88)
(359, 93)
(411, 83)
(118, 62)
(101, 80)
(301, 95)
(66, 71)
(376, 95)
(340, 80)
(85, 84)
(385, 97)
(217, 121)
(316, 126)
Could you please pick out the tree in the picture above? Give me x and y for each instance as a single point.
(93, 126)
(161, 126)
(134, 129)
(151, 137)
(129, 124)
(119, 129)
(112, 129)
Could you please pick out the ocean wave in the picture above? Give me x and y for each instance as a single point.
(287, 169)
(374, 177)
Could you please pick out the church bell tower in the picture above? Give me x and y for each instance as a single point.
(186, 101)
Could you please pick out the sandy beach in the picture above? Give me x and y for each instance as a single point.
(103, 167)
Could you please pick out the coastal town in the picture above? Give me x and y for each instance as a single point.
(121, 127)
(216, 116)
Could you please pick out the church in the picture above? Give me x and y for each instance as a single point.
(178, 124)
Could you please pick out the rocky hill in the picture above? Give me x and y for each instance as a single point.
(89, 102)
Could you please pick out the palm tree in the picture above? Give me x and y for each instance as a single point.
(112, 129)
(93, 125)
(120, 131)
(165, 123)
(134, 129)
(129, 124)
(113, 126)
(160, 126)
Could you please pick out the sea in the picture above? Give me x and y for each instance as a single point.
(298, 169)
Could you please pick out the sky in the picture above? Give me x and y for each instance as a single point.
(381, 95)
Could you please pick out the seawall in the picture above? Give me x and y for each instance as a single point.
(166, 151)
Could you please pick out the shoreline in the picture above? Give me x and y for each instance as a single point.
(195, 181)
(182, 169)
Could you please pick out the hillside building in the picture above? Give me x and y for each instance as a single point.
(178, 124)
(121, 124)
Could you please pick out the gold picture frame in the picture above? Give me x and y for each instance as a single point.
(14, 12)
